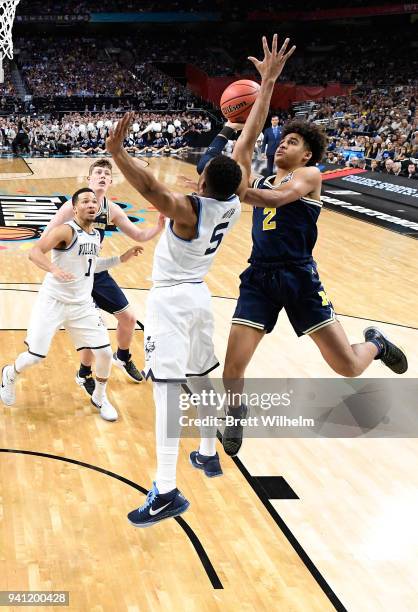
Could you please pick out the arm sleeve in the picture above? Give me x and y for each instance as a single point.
(104, 263)
(216, 147)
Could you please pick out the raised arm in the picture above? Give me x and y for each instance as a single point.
(122, 221)
(64, 214)
(304, 182)
(176, 206)
(270, 69)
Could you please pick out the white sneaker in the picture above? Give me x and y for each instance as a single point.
(107, 411)
(8, 389)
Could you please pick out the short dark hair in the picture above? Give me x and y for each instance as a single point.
(223, 176)
(101, 163)
(313, 136)
(78, 193)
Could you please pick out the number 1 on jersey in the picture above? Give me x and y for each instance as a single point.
(88, 271)
(268, 223)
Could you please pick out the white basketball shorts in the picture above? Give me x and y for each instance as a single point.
(82, 321)
(178, 333)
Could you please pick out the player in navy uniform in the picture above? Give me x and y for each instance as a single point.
(106, 292)
(282, 271)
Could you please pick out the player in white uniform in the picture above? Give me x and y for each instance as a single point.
(65, 299)
(179, 321)
(107, 294)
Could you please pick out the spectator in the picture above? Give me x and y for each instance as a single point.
(272, 136)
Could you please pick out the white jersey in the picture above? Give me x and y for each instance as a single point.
(79, 258)
(177, 260)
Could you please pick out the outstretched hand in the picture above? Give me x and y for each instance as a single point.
(132, 252)
(114, 142)
(273, 62)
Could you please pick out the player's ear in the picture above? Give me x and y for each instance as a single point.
(307, 156)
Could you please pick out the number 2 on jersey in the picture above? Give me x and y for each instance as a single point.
(268, 223)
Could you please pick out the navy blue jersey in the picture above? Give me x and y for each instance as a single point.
(102, 218)
(287, 233)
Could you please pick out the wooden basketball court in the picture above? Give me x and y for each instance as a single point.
(68, 478)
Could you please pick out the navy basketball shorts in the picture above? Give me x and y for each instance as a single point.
(107, 294)
(296, 287)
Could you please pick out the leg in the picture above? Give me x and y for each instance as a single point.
(84, 376)
(99, 399)
(343, 358)
(256, 314)
(206, 458)
(124, 333)
(109, 297)
(87, 330)
(126, 327)
(164, 500)
(242, 344)
(9, 373)
(352, 360)
(46, 317)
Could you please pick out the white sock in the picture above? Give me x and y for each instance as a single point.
(208, 434)
(99, 392)
(23, 362)
(167, 448)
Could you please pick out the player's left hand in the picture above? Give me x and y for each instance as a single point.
(114, 142)
(132, 252)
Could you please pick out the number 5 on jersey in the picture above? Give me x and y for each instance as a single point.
(216, 238)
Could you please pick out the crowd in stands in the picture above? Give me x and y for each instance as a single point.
(86, 68)
(77, 7)
(86, 133)
(242, 7)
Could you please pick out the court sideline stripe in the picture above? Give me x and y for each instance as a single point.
(196, 543)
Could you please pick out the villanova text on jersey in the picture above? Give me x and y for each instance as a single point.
(89, 248)
(284, 234)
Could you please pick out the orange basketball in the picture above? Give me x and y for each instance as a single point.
(237, 100)
(17, 233)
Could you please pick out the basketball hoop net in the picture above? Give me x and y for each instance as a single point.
(7, 15)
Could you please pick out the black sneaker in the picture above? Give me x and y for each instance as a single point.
(210, 465)
(391, 355)
(87, 382)
(129, 368)
(158, 507)
(232, 436)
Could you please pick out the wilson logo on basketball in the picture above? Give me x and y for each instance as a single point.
(23, 218)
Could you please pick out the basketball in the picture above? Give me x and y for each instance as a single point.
(238, 99)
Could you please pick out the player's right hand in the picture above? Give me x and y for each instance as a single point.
(62, 275)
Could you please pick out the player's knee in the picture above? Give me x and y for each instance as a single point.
(232, 371)
(127, 319)
(105, 352)
(349, 368)
(103, 361)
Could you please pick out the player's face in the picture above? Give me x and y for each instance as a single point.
(86, 207)
(100, 178)
(292, 152)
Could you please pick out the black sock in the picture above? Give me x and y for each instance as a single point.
(123, 355)
(84, 370)
(379, 345)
